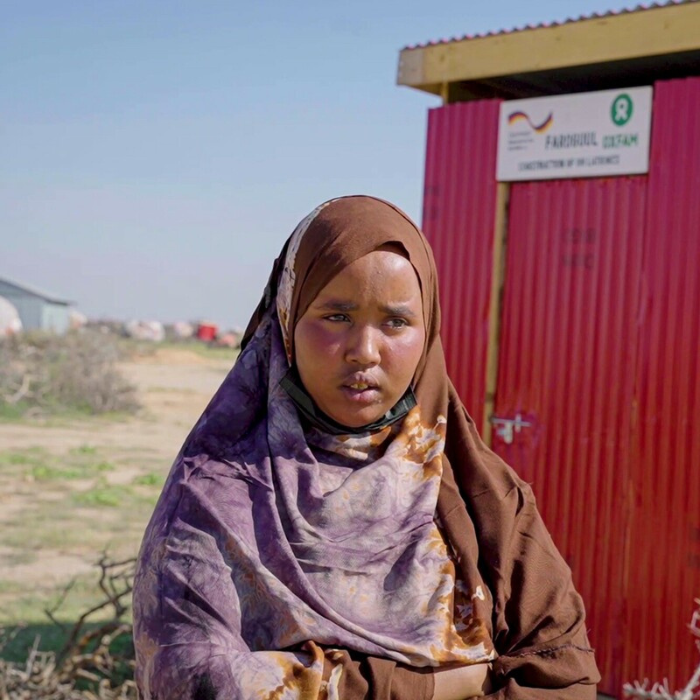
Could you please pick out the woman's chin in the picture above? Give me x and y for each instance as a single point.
(358, 417)
(355, 408)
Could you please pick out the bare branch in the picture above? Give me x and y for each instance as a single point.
(49, 612)
(87, 656)
(661, 691)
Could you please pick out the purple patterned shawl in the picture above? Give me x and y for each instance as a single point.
(273, 545)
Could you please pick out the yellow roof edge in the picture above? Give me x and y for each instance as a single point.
(650, 32)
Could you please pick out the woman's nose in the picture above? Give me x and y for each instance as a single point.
(363, 347)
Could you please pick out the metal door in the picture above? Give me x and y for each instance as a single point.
(566, 380)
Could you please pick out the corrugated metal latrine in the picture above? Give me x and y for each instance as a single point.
(599, 358)
(458, 218)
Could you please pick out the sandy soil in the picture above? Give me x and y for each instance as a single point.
(174, 386)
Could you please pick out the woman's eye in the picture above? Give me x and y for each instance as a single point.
(398, 322)
(336, 318)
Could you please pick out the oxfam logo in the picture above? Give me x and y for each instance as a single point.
(621, 110)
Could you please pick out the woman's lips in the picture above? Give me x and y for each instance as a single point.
(368, 395)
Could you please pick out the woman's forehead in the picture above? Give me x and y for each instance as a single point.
(381, 279)
(380, 269)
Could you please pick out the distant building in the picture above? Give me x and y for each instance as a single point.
(37, 310)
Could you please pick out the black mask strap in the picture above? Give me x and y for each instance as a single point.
(292, 384)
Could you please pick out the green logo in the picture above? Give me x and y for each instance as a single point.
(621, 110)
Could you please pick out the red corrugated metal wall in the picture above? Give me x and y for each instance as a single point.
(664, 557)
(459, 210)
(567, 358)
(600, 352)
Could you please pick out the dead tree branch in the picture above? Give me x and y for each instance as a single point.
(88, 656)
(662, 691)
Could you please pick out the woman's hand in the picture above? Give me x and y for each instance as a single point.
(463, 682)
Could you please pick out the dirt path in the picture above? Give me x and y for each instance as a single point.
(70, 489)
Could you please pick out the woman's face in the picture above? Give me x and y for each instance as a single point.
(359, 343)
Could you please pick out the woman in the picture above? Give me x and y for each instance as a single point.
(333, 526)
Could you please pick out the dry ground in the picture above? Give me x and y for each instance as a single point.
(70, 489)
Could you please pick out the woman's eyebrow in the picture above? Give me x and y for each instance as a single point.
(399, 310)
(389, 309)
(338, 305)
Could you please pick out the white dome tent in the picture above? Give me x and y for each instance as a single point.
(10, 322)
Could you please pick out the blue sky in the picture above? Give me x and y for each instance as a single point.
(155, 155)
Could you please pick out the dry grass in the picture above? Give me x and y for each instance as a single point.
(43, 374)
(70, 505)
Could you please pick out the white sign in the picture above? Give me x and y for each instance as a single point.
(583, 135)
